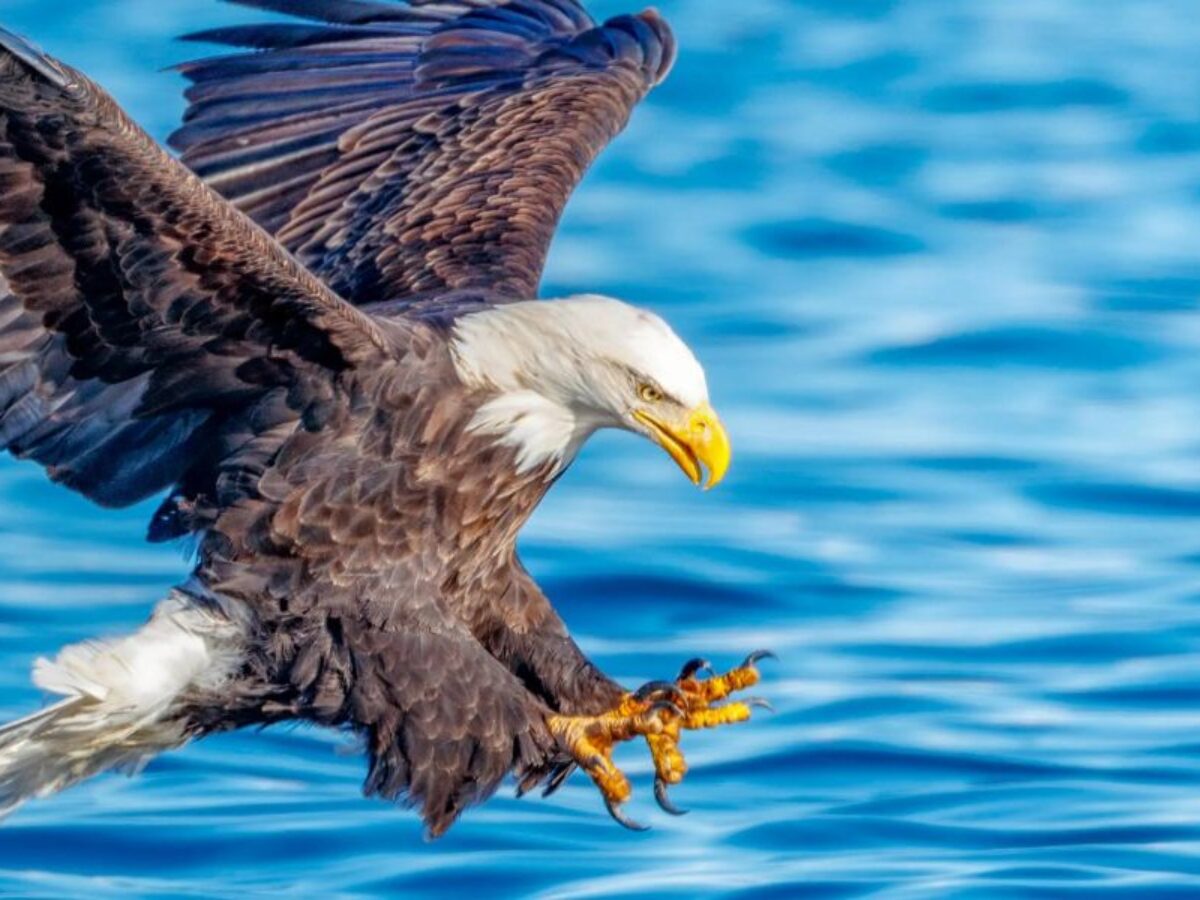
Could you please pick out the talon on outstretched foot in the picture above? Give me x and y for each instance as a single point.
(590, 741)
(659, 712)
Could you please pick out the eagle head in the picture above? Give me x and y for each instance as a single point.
(554, 372)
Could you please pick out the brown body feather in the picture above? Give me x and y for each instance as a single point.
(152, 337)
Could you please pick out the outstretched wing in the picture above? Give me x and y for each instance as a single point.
(403, 149)
(150, 334)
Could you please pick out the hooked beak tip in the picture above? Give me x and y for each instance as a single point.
(698, 444)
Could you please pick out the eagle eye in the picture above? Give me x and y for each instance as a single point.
(650, 394)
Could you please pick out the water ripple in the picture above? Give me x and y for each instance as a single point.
(941, 262)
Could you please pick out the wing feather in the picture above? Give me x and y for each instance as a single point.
(135, 302)
(153, 336)
(409, 149)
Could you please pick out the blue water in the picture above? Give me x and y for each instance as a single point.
(942, 260)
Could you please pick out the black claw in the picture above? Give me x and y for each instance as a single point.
(757, 656)
(664, 800)
(692, 666)
(760, 703)
(659, 688)
(615, 811)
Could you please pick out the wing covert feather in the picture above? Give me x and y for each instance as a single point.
(143, 320)
(405, 150)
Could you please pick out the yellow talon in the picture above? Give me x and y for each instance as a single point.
(699, 695)
(719, 687)
(714, 718)
(659, 712)
(669, 764)
(590, 741)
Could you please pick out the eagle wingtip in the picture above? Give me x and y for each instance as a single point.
(33, 57)
(669, 48)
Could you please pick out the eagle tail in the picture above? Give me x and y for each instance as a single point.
(123, 699)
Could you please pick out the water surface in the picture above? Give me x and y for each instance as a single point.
(942, 262)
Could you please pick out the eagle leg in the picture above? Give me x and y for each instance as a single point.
(700, 697)
(590, 741)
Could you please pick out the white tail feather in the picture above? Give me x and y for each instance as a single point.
(121, 697)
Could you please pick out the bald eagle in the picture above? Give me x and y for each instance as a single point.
(318, 335)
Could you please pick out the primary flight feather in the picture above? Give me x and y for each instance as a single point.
(323, 342)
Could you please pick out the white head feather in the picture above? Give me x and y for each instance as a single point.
(563, 369)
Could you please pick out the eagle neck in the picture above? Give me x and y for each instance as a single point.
(541, 433)
(517, 360)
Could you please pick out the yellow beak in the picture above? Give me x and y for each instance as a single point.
(699, 442)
